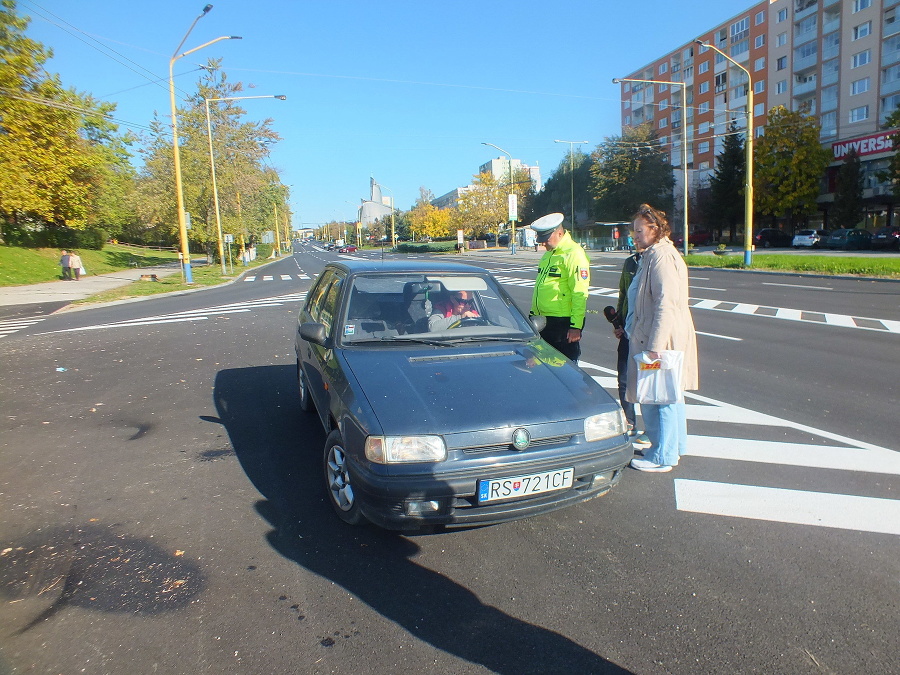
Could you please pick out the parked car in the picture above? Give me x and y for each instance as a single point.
(476, 423)
(697, 238)
(849, 239)
(349, 248)
(810, 238)
(887, 237)
(769, 237)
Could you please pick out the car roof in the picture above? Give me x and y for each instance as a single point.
(396, 266)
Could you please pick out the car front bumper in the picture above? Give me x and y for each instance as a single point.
(393, 502)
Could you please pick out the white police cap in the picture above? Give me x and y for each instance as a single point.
(546, 225)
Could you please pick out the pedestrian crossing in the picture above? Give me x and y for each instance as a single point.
(281, 277)
(10, 326)
(783, 313)
(194, 315)
(825, 452)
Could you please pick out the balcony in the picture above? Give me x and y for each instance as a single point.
(805, 63)
(890, 28)
(890, 87)
(803, 8)
(829, 25)
(801, 38)
(803, 88)
(889, 57)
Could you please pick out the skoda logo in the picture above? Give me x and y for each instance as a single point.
(521, 439)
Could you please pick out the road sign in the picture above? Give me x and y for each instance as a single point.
(229, 238)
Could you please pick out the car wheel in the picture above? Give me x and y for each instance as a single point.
(767, 244)
(337, 480)
(306, 404)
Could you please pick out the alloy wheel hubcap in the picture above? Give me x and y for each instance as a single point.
(339, 479)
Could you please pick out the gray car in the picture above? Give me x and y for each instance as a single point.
(433, 420)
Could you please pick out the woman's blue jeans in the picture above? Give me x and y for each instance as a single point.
(666, 427)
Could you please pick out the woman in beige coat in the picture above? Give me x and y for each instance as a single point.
(659, 318)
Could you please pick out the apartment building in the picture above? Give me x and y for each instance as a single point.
(837, 59)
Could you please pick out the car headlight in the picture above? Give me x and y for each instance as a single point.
(394, 449)
(604, 425)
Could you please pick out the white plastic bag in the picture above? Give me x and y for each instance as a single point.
(659, 380)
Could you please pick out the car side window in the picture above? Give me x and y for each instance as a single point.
(329, 304)
(314, 304)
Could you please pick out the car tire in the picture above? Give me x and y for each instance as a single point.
(767, 244)
(306, 404)
(337, 480)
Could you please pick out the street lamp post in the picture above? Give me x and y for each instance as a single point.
(212, 166)
(684, 145)
(393, 240)
(748, 147)
(182, 221)
(512, 221)
(572, 173)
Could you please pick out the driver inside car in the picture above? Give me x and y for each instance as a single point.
(458, 306)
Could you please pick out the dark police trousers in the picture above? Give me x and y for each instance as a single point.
(556, 333)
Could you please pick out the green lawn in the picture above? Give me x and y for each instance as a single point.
(20, 266)
(875, 266)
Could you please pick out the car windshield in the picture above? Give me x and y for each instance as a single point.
(424, 308)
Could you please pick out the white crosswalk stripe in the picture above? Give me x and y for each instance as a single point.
(10, 326)
(747, 309)
(281, 277)
(777, 504)
(194, 314)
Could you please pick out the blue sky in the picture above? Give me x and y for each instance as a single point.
(402, 90)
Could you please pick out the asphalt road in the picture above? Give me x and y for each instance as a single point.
(164, 509)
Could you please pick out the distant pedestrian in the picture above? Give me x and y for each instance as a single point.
(64, 261)
(561, 289)
(75, 265)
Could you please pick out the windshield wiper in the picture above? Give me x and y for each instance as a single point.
(401, 338)
(488, 338)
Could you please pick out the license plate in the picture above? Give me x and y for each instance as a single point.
(523, 486)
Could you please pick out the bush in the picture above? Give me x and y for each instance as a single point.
(264, 250)
(431, 247)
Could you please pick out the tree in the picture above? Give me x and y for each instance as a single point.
(483, 207)
(788, 165)
(556, 195)
(892, 174)
(848, 208)
(629, 170)
(426, 219)
(726, 186)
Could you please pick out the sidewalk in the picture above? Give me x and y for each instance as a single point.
(67, 291)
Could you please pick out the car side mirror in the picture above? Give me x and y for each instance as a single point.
(539, 322)
(313, 332)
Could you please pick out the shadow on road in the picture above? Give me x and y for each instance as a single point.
(280, 449)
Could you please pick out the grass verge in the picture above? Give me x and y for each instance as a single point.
(811, 264)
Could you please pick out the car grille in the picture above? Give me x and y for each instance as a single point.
(504, 447)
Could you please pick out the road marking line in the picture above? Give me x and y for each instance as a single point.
(743, 308)
(250, 279)
(840, 320)
(268, 277)
(791, 314)
(821, 509)
(815, 288)
(721, 337)
(706, 304)
(870, 460)
(707, 288)
(286, 277)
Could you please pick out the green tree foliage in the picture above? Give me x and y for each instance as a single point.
(426, 219)
(629, 170)
(788, 165)
(848, 208)
(725, 207)
(556, 195)
(892, 174)
(249, 191)
(483, 207)
(58, 150)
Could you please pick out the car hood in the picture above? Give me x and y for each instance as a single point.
(474, 387)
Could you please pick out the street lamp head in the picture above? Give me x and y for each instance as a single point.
(281, 97)
(616, 80)
(700, 42)
(206, 9)
(235, 37)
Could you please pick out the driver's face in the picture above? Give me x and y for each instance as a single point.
(462, 298)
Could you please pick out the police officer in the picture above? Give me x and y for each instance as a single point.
(561, 290)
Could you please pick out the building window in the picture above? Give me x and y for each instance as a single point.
(663, 140)
(703, 108)
(859, 86)
(704, 166)
(859, 5)
(721, 82)
(703, 49)
(627, 105)
(704, 87)
(782, 15)
(740, 30)
(805, 26)
(703, 67)
(627, 120)
(661, 88)
(781, 63)
(781, 39)
(627, 87)
(781, 87)
(888, 105)
(808, 50)
(663, 104)
(859, 114)
(740, 47)
(759, 109)
(664, 122)
(759, 18)
(829, 124)
(663, 68)
(759, 86)
(703, 128)
(760, 63)
(759, 41)
(862, 30)
(702, 146)
(861, 58)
